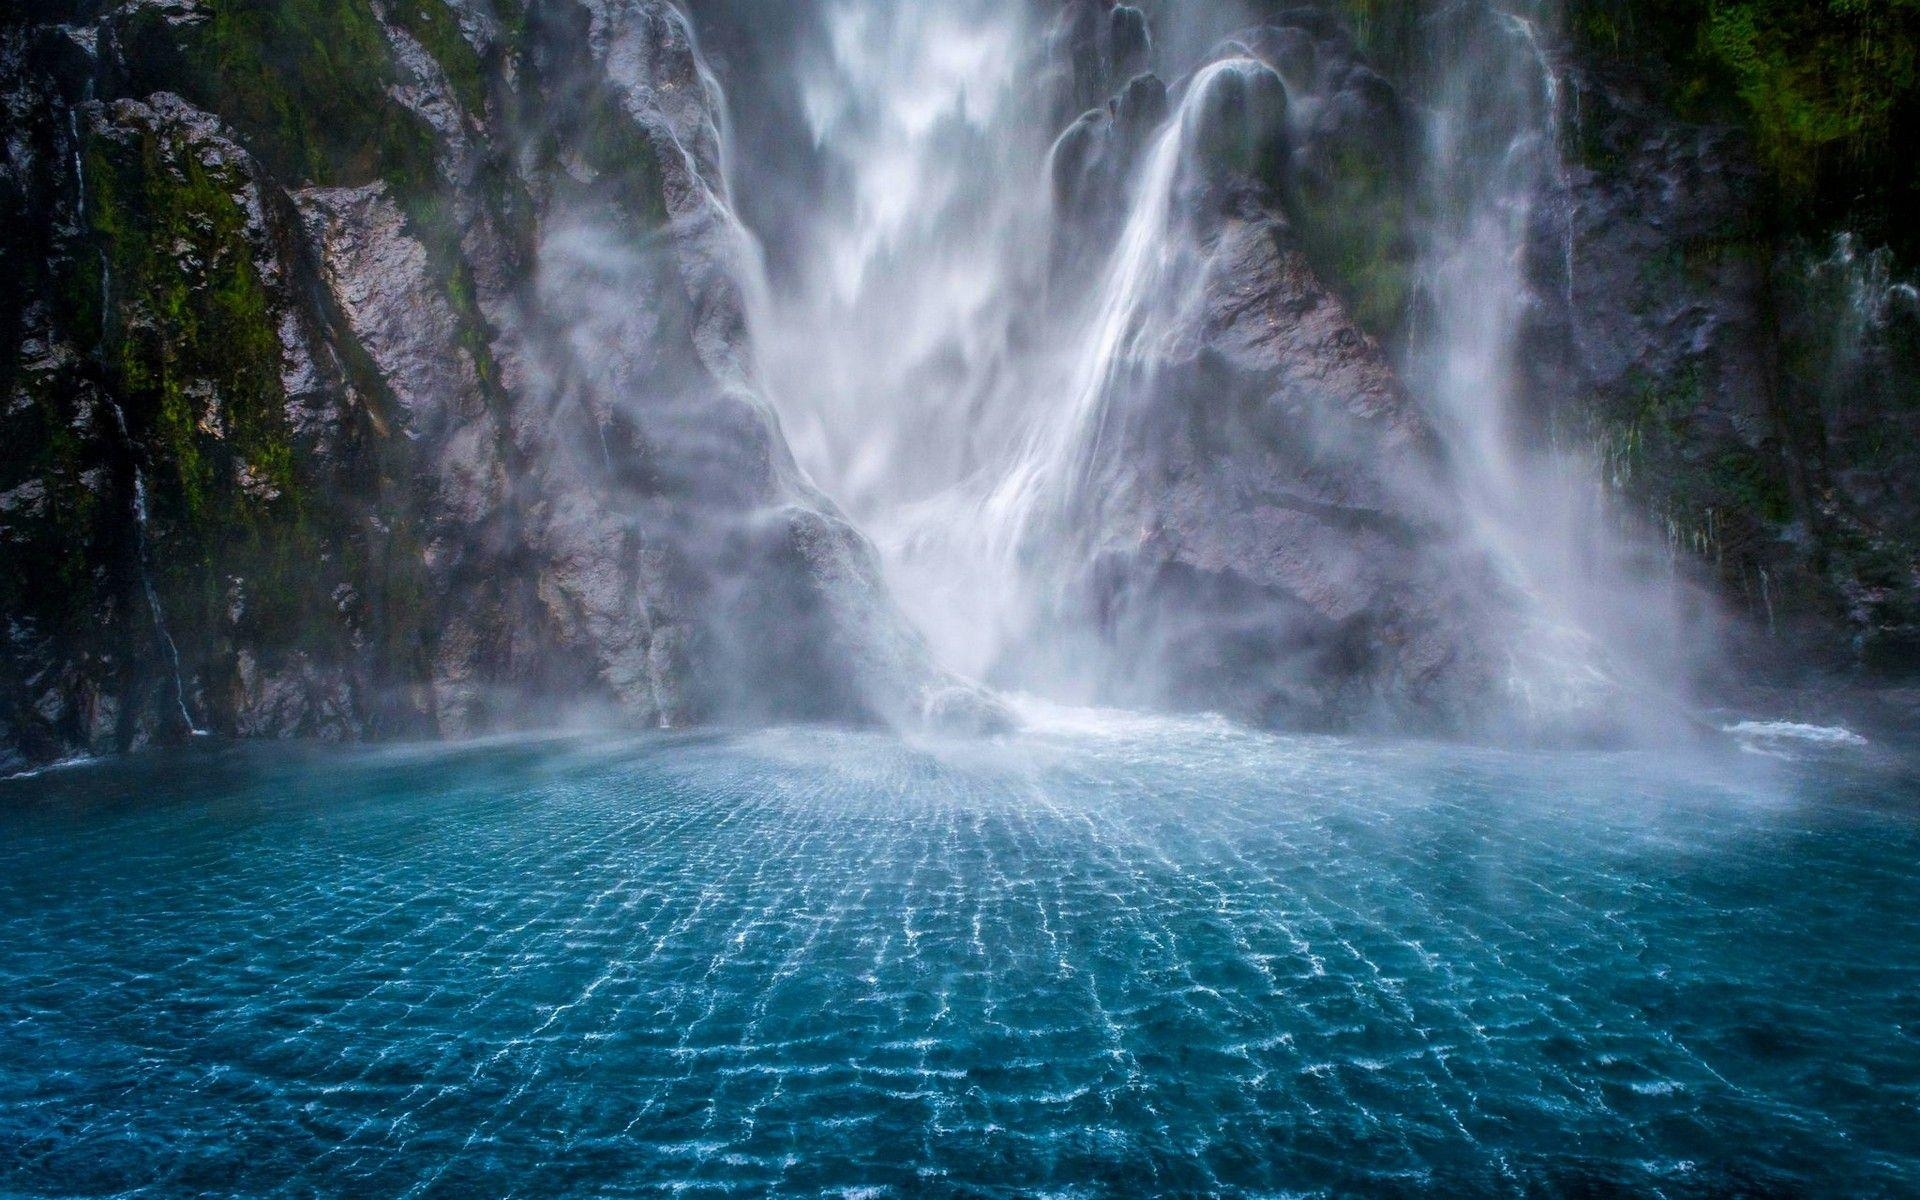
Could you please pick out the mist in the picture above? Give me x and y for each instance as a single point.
(958, 597)
(997, 334)
(740, 362)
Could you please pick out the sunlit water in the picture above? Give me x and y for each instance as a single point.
(1110, 956)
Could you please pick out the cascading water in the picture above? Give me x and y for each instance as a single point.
(1155, 271)
(935, 380)
(891, 350)
(900, 350)
(1152, 264)
(1856, 327)
(956, 396)
(1596, 620)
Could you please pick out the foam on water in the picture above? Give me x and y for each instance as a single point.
(1112, 955)
(64, 764)
(1794, 731)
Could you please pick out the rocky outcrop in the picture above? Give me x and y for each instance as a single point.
(1719, 369)
(1351, 170)
(1268, 552)
(403, 393)
(1262, 515)
(1096, 46)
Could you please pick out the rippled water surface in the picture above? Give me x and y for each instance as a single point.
(1108, 957)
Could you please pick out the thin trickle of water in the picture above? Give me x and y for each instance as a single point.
(143, 546)
(79, 166)
(106, 304)
(1871, 296)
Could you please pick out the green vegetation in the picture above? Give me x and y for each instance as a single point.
(256, 537)
(1388, 30)
(1706, 492)
(305, 85)
(304, 82)
(435, 27)
(1355, 228)
(61, 530)
(1829, 89)
(190, 350)
(188, 308)
(624, 162)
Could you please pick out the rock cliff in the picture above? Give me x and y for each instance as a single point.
(380, 370)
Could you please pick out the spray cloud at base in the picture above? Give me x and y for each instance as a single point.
(1058, 316)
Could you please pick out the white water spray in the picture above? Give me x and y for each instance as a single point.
(1595, 623)
(1152, 264)
(956, 406)
(932, 378)
(1022, 529)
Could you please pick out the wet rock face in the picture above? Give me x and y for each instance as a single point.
(405, 394)
(1714, 368)
(1091, 164)
(1651, 270)
(1272, 552)
(1851, 338)
(1095, 48)
(1351, 171)
(174, 376)
(1260, 527)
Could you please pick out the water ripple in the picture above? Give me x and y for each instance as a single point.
(1115, 956)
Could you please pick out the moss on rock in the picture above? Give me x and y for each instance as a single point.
(303, 82)
(190, 349)
(1355, 223)
(435, 25)
(1828, 89)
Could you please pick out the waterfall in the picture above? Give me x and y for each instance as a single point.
(990, 547)
(1024, 529)
(933, 379)
(906, 345)
(892, 349)
(1151, 264)
(959, 401)
(1595, 621)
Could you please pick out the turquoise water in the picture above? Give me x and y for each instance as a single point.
(1111, 956)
